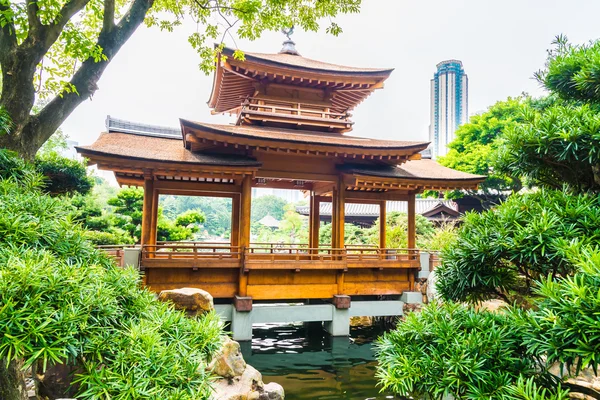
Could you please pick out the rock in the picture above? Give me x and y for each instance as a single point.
(361, 321)
(585, 379)
(273, 391)
(189, 299)
(431, 290)
(491, 305)
(238, 380)
(248, 386)
(228, 362)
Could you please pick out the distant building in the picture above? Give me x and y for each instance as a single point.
(449, 104)
(365, 215)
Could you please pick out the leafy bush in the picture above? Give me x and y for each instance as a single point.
(566, 328)
(556, 147)
(64, 302)
(451, 349)
(524, 239)
(65, 176)
(527, 389)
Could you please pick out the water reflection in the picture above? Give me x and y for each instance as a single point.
(310, 364)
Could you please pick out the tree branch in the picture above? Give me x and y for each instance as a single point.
(8, 39)
(41, 39)
(32, 18)
(108, 23)
(86, 78)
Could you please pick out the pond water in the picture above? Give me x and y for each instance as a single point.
(310, 364)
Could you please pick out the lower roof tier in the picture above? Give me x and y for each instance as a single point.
(136, 152)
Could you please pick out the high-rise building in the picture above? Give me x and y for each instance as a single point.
(449, 104)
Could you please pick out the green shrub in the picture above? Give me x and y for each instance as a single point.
(451, 349)
(64, 302)
(566, 328)
(524, 239)
(527, 389)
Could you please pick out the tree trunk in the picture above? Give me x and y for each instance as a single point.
(12, 381)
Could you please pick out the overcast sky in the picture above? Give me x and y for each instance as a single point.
(155, 77)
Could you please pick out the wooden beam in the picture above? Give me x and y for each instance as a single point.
(274, 174)
(154, 216)
(284, 185)
(411, 221)
(189, 186)
(234, 237)
(377, 196)
(315, 222)
(341, 210)
(245, 212)
(320, 188)
(382, 224)
(147, 209)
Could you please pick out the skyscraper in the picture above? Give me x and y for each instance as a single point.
(449, 104)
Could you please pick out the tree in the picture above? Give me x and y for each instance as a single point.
(475, 143)
(560, 145)
(58, 49)
(572, 71)
(501, 252)
(268, 205)
(128, 206)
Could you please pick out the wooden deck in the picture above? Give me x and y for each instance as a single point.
(276, 271)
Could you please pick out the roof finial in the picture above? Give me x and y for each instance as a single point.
(289, 47)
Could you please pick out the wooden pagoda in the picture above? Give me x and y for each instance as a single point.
(291, 131)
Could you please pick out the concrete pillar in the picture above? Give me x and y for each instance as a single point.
(412, 297)
(424, 259)
(131, 257)
(241, 325)
(340, 322)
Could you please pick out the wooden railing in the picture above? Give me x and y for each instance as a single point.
(191, 254)
(294, 257)
(291, 108)
(116, 251)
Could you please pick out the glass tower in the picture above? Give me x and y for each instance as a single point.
(449, 104)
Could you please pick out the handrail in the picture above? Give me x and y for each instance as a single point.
(191, 251)
(273, 107)
(258, 254)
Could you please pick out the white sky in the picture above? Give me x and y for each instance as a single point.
(155, 77)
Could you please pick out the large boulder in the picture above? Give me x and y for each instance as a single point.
(193, 300)
(431, 290)
(238, 380)
(228, 362)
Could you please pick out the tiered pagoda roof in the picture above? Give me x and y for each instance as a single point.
(290, 110)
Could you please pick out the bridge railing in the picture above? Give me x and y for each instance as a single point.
(271, 256)
(116, 251)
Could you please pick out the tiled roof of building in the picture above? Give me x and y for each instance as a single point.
(423, 169)
(147, 147)
(120, 125)
(369, 210)
(298, 136)
(297, 61)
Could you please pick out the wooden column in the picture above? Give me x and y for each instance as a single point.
(334, 218)
(382, 224)
(154, 222)
(340, 207)
(411, 222)
(234, 237)
(314, 222)
(412, 234)
(244, 243)
(147, 209)
(341, 211)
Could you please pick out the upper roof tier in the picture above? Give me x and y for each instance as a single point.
(337, 88)
(200, 136)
